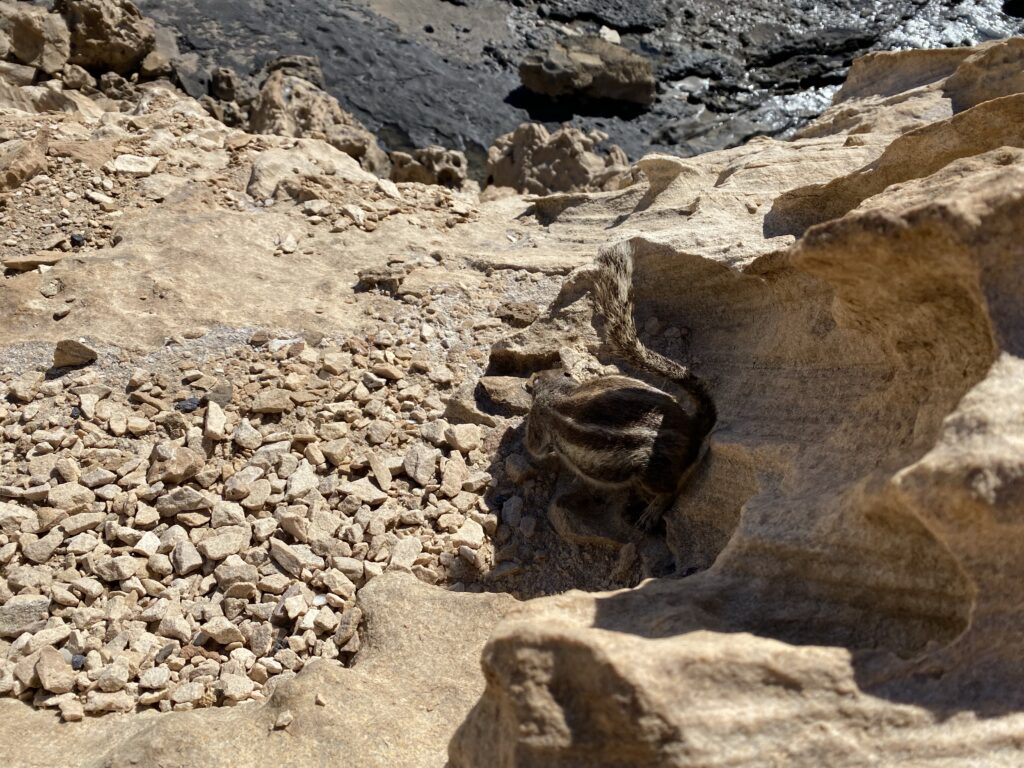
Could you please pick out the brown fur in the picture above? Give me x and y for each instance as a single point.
(617, 431)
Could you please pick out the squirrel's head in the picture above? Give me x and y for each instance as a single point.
(546, 388)
(547, 384)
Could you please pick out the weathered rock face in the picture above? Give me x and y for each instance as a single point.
(430, 165)
(532, 160)
(107, 35)
(291, 106)
(591, 68)
(865, 554)
(33, 36)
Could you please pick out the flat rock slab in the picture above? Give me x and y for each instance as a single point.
(23, 263)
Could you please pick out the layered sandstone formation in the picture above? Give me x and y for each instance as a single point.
(859, 508)
(851, 296)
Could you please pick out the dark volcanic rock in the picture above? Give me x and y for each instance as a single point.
(623, 15)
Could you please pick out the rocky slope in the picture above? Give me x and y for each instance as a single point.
(267, 500)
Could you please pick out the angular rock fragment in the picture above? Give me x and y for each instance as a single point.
(71, 353)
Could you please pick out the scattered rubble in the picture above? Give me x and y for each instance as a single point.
(188, 556)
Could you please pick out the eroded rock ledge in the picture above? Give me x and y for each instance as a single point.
(864, 609)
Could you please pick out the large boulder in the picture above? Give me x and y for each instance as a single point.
(530, 159)
(292, 106)
(308, 158)
(589, 67)
(33, 36)
(107, 35)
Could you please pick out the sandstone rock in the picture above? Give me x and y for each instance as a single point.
(404, 554)
(430, 165)
(530, 159)
(337, 451)
(114, 676)
(292, 558)
(301, 481)
(463, 437)
(297, 65)
(228, 541)
(174, 464)
(72, 710)
(291, 106)
(185, 558)
(24, 262)
(234, 688)
(215, 422)
(21, 160)
(181, 499)
(365, 491)
(55, 674)
(222, 631)
(23, 613)
(42, 549)
(188, 693)
(589, 67)
(272, 401)
(71, 353)
(234, 570)
(77, 78)
(506, 395)
(107, 35)
(70, 497)
(155, 678)
(98, 702)
(247, 436)
(38, 99)
(471, 535)
(240, 484)
(309, 158)
(937, 207)
(16, 74)
(37, 38)
(135, 166)
(420, 464)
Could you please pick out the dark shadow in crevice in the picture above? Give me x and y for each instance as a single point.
(562, 109)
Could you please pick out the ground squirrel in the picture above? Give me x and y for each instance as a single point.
(618, 432)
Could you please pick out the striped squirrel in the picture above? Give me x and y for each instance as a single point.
(617, 432)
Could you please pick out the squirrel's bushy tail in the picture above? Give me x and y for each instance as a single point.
(614, 291)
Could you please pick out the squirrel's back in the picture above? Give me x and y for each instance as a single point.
(614, 294)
